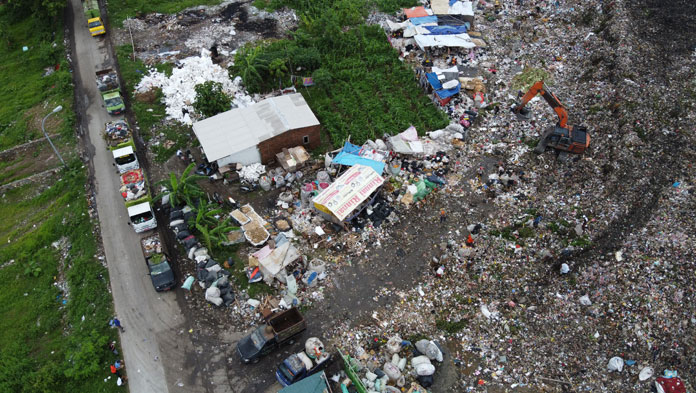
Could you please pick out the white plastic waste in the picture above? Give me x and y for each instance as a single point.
(391, 371)
(394, 344)
(615, 364)
(585, 300)
(565, 269)
(429, 349)
(646, 373)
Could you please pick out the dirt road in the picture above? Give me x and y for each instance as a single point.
(156, 341)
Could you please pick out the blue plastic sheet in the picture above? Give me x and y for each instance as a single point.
(351, 148)
(442, 30)
(449, 92)
(424, 19)
(348, 159)
(434, 82)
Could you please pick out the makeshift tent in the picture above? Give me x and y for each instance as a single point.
(457, 40)
(315, 383)
(348, 192)
(424, 20)
(446, 30)
(273, 261)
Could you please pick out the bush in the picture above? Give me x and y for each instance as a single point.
(210, 99)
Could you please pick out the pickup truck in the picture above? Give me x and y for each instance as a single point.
(110, 89)
(299, 366)
(119, 139)
(161, 272)
(280, 328)
(94, 22)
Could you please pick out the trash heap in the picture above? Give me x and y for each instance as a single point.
(179, 89)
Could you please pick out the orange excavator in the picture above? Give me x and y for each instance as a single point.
(561, 137)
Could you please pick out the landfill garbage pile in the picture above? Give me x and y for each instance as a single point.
(179, 89)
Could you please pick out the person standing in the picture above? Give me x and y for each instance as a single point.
(443, 215)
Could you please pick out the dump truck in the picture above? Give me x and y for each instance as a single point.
(119, 139)
(301, 365)
(157, 262)
(94, 21)
(110, 89)
(282, 327)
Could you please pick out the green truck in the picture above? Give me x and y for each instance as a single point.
(119, 139)
(110, 89)
(94, 22)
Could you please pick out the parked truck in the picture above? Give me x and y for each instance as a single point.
(94, 21)
(301, 365)
(157, 262)
(119, 139)
(110, 89)
(282, 327)
(135, 193)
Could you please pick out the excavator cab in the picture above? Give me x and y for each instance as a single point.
(560, 137)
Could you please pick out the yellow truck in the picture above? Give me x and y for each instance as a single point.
(94, 21)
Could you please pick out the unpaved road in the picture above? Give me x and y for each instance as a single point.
(156, 340)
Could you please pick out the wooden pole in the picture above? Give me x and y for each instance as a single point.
(131, 37)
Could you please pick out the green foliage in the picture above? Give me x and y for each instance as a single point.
(362, 88)
(47, 346)
(211, 99)
(182, 189)
(390, 6)
(526, 232)
(149, 113)
(23, 86)
(530, 75)
(451, 326)
(180, 134)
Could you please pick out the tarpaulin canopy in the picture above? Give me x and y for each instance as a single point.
(446, 30)
(457, 40)
(444, 93)
(415, 12)
(348, 191)
(344, 158)
(423, 20)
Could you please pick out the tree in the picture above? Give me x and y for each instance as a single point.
(248, 63)
(182, 189)
(216, 235)
(278, 69)
(211, 99)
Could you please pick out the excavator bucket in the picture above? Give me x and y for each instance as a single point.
(522, 114)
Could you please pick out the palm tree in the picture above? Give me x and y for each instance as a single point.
(182, 189)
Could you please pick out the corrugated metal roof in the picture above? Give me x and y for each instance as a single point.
(238, 129)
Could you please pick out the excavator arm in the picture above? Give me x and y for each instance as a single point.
(551, 99)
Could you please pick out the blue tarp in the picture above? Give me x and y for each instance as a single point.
(452, 2)
(344, 158)
(434, 82)
(449, 92)
(441, 30)
(424, 19)
(351, 148)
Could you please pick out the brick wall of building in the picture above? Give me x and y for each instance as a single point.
(269, 148)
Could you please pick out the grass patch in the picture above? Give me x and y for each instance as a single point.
(238, 274)
(582, 241)
(47, 345)
(362, 89)
(530, 75)
(119, 10)
(451, 326)
(180, 134)
(24, 87)
(148, 109)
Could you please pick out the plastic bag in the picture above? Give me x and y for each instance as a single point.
(429, 349)
(394, 344)
(615, 364)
